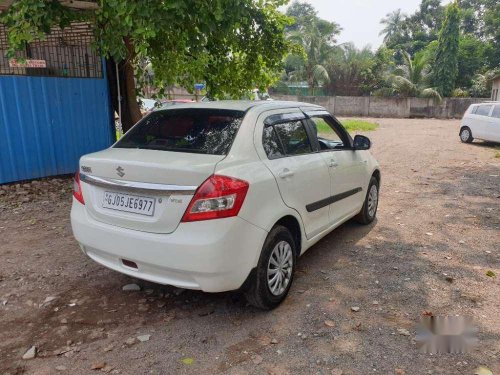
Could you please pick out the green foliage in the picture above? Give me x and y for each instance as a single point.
(481, 84)
(232, 45)
(459, 93)
(431, 93)
(412, 33)
(497, 154)
(412, 77)
(31, 19)
(492, 34)
(302, 13)
(423, 54)
(415, 70)
(393, 26)
(316, 38)
(351, 125)
(446, 60)
(353, 71)
(471, 58)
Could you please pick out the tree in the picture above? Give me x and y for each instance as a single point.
(302, 13)
(471, 59)
(393, 25)
(492, 33)
(412, 33)
(412, 78)
(316, 47)
(351, 70)
(231, 45)
(316, 38)
(481, 83)
(446, 60)
(430, 14)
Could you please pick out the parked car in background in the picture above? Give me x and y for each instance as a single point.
(147, 105)
(260, 95)
(223, 195)
(481, 121)
(164, 104)
(254, 94)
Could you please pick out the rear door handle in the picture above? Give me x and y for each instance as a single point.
(332, 163)
(285, 173)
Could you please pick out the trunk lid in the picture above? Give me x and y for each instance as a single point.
(118, 182)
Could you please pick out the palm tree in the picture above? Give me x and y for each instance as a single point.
(411, 78)
(348, 67)
(393, 24)
(317, 45)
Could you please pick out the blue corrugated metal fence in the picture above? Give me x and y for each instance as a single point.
(47, 123)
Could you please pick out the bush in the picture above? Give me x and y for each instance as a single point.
(459, 93)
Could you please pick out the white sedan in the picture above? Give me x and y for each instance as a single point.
(481, 121)
(223, 195)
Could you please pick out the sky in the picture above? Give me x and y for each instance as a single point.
(360, 19)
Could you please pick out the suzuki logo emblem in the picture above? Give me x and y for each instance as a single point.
(120, 171)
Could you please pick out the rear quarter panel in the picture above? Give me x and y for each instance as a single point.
(263, 205)
(471, 121)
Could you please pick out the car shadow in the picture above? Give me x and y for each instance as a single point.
(485, 144)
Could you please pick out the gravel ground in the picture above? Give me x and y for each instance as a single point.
(436, 237)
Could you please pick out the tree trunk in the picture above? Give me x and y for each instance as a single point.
(131, 112)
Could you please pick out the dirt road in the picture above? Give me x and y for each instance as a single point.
(436, 237)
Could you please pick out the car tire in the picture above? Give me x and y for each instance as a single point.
(370, 205)
(466, 135)
(277, 260)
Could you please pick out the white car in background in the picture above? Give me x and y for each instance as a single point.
(223, 195)
(481, 121)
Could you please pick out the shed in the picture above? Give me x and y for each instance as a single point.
(54, 105)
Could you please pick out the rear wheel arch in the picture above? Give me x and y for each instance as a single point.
(293, 225)
(376, 174)
(465, 134)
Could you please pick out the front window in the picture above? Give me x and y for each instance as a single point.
(193, 130)
(496, 111)
(329, 137)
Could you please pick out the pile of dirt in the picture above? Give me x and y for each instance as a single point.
(17, 194)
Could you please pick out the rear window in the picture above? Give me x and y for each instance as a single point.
(272, 145)
(293, 137)
(194, 130)
(483, 110)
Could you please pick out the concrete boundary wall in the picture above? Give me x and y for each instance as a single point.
(370, 106)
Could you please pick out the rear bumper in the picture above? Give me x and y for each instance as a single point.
(212, 255)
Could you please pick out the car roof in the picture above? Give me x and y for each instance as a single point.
(245, 105)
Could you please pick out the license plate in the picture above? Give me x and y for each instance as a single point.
(129, 203)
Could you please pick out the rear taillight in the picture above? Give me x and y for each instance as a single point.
(217, 197)
(77, 188)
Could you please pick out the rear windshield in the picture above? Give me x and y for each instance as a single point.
(198, 130)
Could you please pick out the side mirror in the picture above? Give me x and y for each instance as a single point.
(361, 142)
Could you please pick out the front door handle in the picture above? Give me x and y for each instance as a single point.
(285, 173)
(332, 163)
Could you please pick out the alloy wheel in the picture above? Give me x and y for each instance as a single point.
(465, 135)
(372, 201)
(279, 268)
